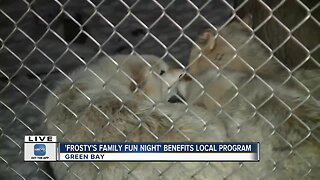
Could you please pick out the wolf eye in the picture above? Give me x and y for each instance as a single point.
(162, 72)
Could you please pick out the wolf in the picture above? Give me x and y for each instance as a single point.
(233, 47)
(232, 75)
(123, 98)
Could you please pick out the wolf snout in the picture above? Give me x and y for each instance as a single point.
(175, 77)
(180, 88)
(177, 98)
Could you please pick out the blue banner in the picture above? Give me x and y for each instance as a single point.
(160, 147)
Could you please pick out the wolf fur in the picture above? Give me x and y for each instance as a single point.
(255, 105)
(101, 103)
(121, 99)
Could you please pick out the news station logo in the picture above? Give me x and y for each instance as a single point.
(40, 148)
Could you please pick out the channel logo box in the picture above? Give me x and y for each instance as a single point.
(40, 148)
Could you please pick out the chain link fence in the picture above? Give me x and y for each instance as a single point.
(44, 41)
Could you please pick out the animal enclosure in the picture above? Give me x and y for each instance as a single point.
(42, 42)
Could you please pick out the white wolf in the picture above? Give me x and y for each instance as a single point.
(124, 98)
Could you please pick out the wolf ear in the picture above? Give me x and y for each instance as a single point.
(248, 20)
(206, 39)
(243, 23)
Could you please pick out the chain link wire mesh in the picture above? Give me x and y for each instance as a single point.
(43, 41)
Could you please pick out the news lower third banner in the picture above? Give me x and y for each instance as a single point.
(46, 148)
